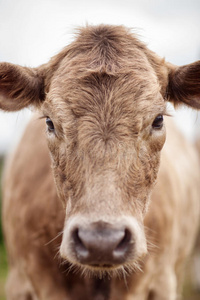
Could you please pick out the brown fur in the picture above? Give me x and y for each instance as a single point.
(103, 93)
(184, 85)
(21, 85)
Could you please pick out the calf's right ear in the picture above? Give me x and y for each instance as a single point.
(20, 87)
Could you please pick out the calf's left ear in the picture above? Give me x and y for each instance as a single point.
(184, 85)
(20, 87)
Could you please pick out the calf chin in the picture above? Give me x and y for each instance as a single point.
(103, 245)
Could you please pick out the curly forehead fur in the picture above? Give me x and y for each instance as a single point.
(106, 49)
(107, 73)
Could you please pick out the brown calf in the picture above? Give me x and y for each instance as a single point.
(114, 234)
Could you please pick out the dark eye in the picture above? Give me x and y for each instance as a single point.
(158, 122)
(49, 124)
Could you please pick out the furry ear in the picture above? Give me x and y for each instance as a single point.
(184, 85)
(20, 87)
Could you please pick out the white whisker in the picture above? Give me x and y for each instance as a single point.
(58, 235)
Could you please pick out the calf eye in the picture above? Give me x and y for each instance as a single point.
(158, 122)
(49, 124)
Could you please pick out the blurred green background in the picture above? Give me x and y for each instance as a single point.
(3, 261)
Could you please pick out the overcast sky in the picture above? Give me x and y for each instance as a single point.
(33, 31)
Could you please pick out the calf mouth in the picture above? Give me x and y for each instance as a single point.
(102, 271)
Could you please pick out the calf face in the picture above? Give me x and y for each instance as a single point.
(104, 98)
(105, 160)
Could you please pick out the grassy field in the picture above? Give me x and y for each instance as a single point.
(3, 271)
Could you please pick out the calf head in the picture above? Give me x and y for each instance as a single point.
(104, 98)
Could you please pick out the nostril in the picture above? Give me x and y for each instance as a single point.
(123, 245)
(78, 244)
